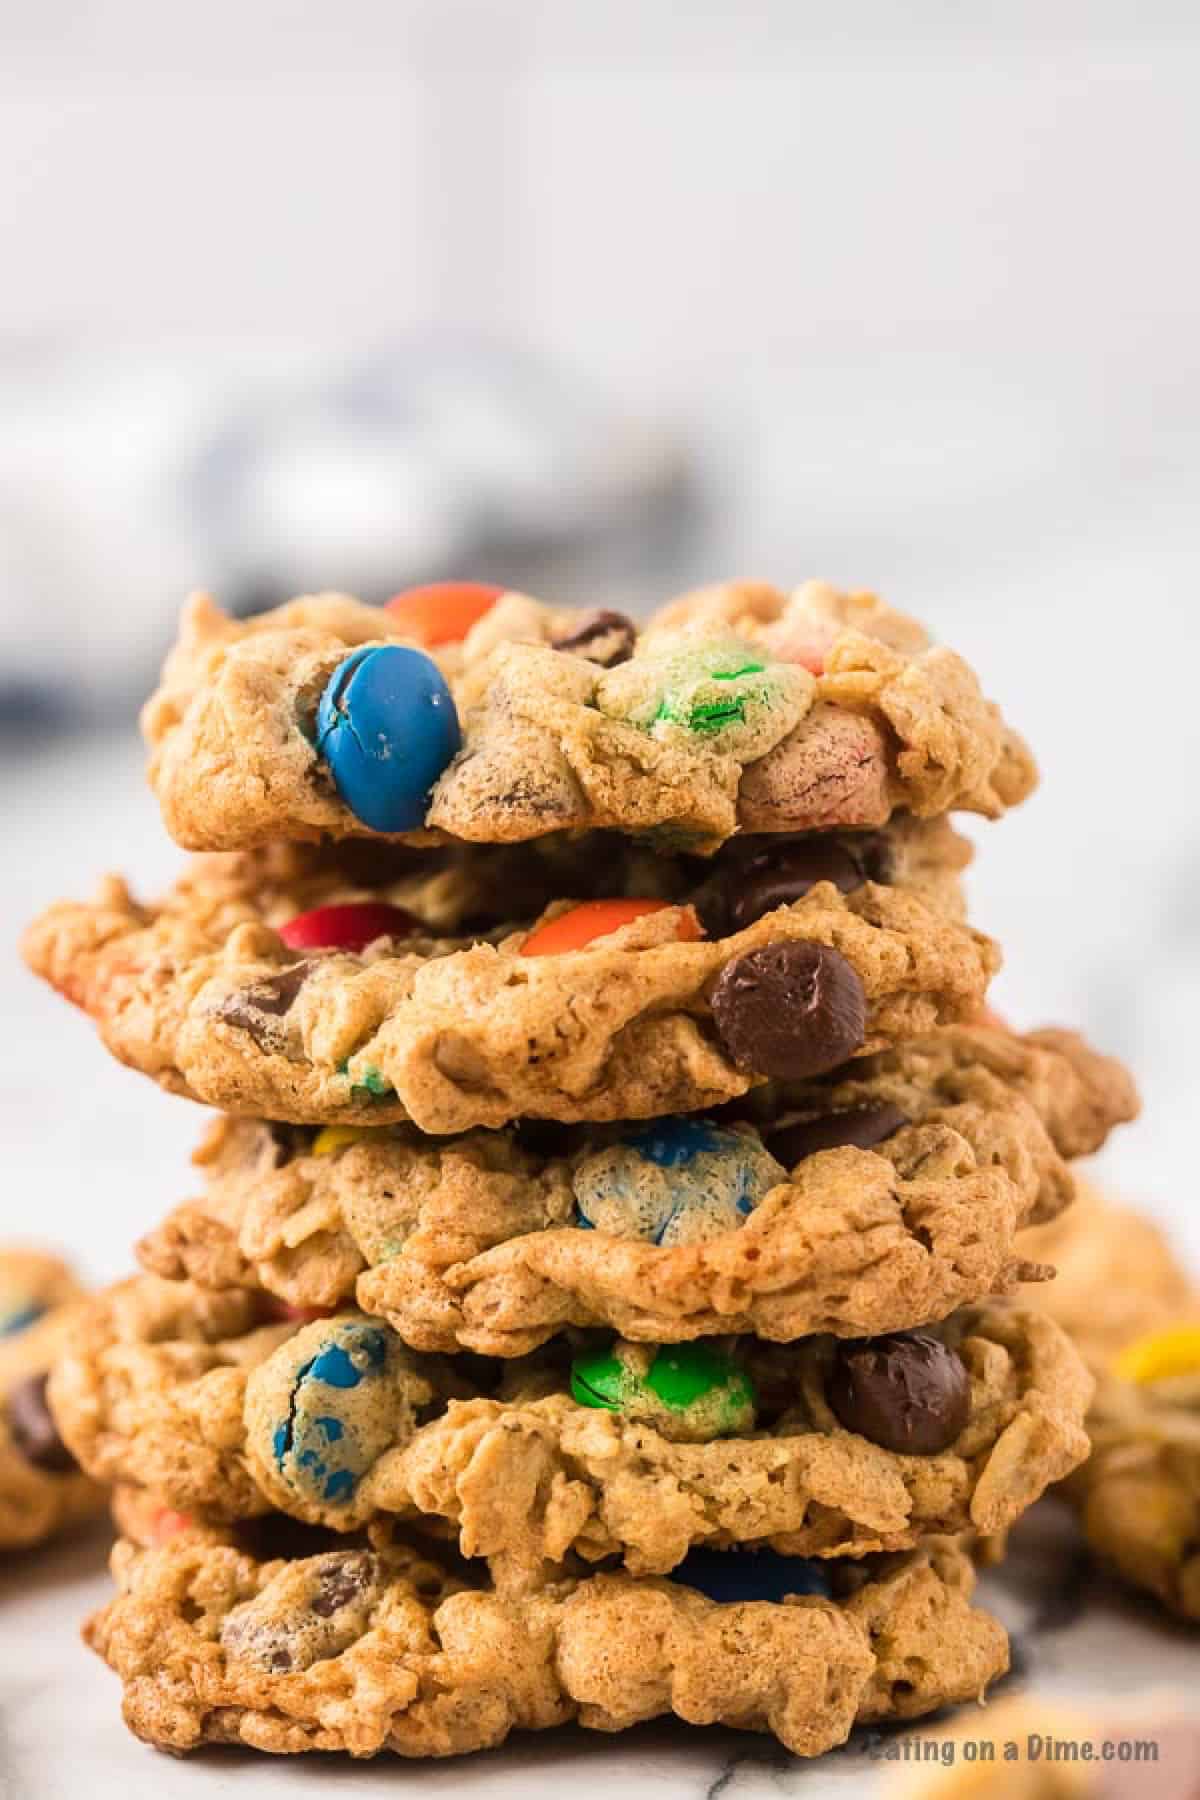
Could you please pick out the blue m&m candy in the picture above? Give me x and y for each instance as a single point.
(676, 1181)
(325, 1407)
(387, 726)
(728, 1576)
(23, 1315)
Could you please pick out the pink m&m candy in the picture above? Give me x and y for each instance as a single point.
(350, 927)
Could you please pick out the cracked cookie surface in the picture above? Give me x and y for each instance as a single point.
(42, 1490)
(204, 995)
(834, 711)
(366, 1652)
(890, 1195)
(335, 1422)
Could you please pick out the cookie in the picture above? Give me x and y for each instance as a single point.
(367, 1651)
(875, 1201)
(604, 1010)
(822, 1448)
(1134, 1312)
(41, 1488)
(811, 712)
(1138, 1495)
(1116, 1277)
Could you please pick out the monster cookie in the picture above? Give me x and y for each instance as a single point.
(41, 1488)
(820, 1448)
(1138, 1496)
(1134, 1312)
(1116, 1278)
(597, 1011)
(876, 1200)
(368, 1651)
(822, 710)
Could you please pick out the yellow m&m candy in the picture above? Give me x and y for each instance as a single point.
(1162, 1355)
(335, 1137)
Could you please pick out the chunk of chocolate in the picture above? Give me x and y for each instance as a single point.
(850, 1127)
(790, 1010)
(342, 1576)
(602, 637)
(32, 1428)
(253, 1009)
(906, 1392)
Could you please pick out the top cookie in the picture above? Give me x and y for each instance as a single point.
(735, 708)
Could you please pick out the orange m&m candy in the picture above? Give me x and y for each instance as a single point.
(444, 611)
(595, 919)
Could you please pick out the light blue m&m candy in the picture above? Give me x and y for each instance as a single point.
(325, 1406)
(387, 726)
(676, 1181)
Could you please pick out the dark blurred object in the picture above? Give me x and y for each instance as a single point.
(441, 457)
(262, 472)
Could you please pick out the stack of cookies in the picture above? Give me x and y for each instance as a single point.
(599, 1302)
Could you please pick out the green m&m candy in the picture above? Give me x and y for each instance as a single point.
(688, 1392)
(705, 689)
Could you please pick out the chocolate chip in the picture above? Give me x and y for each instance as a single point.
(342, 1577)
(32, 1427)
(251, 1009)
(856, 1127)
(602, 637)
(778, 876)
(546, 1138)
(906, 1392)
(790, 1010)
(289, 1141)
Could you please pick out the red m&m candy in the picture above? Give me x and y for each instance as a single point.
(350, 927)
(596, 919)
(167, 1523)
(275, 1308)
(444, 611)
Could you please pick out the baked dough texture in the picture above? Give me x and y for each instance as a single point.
(206, 998)
(554, 742)
(474, 1242)
(365, 1651)
(190, 1396)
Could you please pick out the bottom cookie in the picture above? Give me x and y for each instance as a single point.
(370, 1650)
(41, 1488)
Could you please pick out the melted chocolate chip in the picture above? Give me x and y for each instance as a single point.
(31, 1425)
(905, 1392)
(545, 1137)
(602, 637)
(276, 1534)
(251, 1009)
(790, 1010)
(754, 875)
(855, 1127)
(343, 1577)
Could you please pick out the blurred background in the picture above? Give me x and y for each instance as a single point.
(601, 301)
